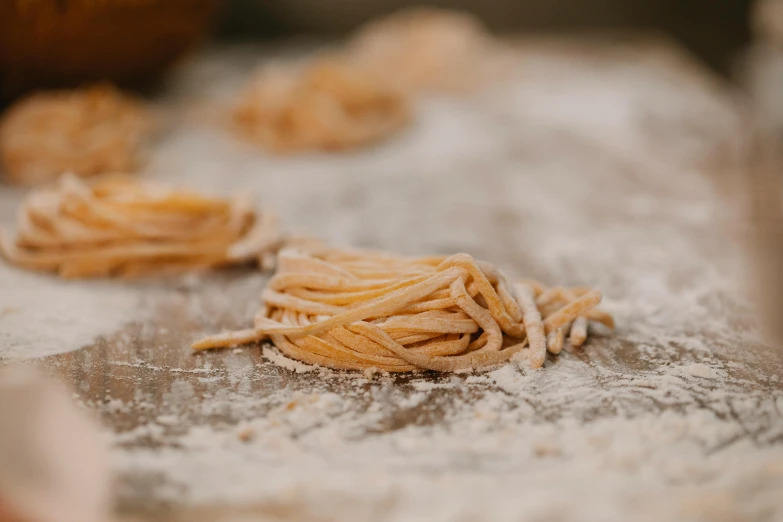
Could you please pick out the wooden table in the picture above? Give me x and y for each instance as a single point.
(604, 163)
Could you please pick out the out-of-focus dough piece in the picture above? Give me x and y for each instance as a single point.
(55, 464)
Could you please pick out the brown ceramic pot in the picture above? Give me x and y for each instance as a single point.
(58, 43)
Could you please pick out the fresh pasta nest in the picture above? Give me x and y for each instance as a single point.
(424, 48)
(360, 310)
(326, 105)
(118, 225)
(87, 132)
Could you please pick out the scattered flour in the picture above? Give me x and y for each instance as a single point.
(500, 451)
(429, 386)
(281, 360)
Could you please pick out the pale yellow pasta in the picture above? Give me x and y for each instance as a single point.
(554, 341)
(118, 225)
(533, 325)
(356, 310)
(578, 332)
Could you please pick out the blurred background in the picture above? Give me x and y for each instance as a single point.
(712, 30)
(715, 31)
(66, 42)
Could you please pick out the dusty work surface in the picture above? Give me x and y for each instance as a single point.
(593, 165)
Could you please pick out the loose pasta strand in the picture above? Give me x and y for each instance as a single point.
(554, 341)
(533, 325)
(578, 332)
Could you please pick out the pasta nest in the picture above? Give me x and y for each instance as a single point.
(326, 105)
(89, 131)
(360, 310)
(117, 225)
(424, 48)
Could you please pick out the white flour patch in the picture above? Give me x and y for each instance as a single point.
(698, 370)
(42, 315)
(284, 362)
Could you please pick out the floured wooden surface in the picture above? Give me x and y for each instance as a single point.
(592, 166)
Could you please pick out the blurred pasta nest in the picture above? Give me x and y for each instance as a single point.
(327, 104)
(85, 131)
(424, 48)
